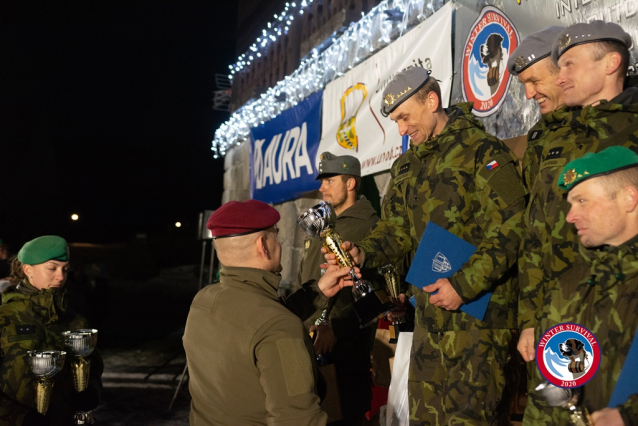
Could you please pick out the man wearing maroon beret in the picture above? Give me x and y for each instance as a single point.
(249, 358)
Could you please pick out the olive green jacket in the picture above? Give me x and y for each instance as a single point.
(600, 294)
(550, 245)
(249, 357)
(32, 319)
(446, 180)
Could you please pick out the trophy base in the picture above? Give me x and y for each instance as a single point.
(372, 306)
(394, 333)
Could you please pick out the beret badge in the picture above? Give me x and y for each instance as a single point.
(570, 176)
(564, 41)
(520, 63)
(389, 99)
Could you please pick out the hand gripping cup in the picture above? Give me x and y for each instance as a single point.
(566, 398)
(44, 366)
(393, 283)
(319, 222)
(81, 344)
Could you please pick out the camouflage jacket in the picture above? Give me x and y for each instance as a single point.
(601, 294)
(446, 180)
(550, 246)
(32, 319)
(352, 347)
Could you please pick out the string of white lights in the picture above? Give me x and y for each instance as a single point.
(385, 23)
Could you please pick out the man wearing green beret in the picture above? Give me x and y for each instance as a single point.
(601, 292)
(467, 182)
(338, 332)
(593, 59)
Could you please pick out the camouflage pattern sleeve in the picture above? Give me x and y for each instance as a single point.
(629, 410)
(390, 239)
(501, 195)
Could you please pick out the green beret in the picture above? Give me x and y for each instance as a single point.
(401, 87)
(583, 32)
(49, 247)
(607, 161)
(331, 164)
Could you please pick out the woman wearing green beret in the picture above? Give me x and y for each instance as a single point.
(33, 316)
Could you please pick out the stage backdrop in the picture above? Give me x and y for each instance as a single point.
(282, 154)
(352, 123)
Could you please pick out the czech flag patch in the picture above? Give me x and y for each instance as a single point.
(492, 165)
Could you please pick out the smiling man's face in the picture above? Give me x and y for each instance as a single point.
(540, 84)
(416, 120)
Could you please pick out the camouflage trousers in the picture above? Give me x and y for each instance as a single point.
(457, 377)
(537, 412)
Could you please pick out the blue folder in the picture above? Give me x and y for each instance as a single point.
(626, 384)
(440, 255)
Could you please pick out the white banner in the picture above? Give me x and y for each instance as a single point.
(351, 120)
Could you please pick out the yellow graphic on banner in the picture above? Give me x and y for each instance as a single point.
(351, 102)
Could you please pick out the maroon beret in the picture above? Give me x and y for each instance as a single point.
(239, 218)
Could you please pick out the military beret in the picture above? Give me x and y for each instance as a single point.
(330, 164)
(532, 49)
(42, 249)
(607, 161)
(401, 87)
(588, 33)
(240, 218)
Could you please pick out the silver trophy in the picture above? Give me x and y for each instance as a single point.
(319, 222)
(566, 398)
(393, 284)
(81, 343)
(44, 366)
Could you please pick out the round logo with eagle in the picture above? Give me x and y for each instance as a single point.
(568, 355)
(485, 78)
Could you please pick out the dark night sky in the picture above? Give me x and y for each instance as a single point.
(106, 111)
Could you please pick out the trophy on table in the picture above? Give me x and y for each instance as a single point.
(319, 222)
(393, 283)
(566, 398)
(81, 343)
(44, 366)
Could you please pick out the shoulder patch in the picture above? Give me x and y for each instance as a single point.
(535, 135)
(554, 153)
(404, 169)
(25, 329)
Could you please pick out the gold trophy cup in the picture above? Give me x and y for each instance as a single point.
(44, 366)
(81, 343)
(393, 283)
(319, 222)
(566, 398)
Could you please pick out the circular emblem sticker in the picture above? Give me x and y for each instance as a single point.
(485, 78)
(568, 355)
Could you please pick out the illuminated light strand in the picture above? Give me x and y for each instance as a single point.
(375, 30)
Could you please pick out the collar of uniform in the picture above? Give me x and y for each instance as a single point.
(597, 255)
(431, 145)
(259, 279)
(361, 209)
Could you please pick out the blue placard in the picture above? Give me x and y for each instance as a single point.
(439, 255)
(626, 384)
(284, 152)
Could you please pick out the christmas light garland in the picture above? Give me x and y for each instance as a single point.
(384, 24)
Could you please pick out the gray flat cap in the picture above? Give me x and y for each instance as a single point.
(532, 49)
(402, 86)
(330, 164)
(588, 33)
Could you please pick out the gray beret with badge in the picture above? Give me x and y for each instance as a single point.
(402, 86)
(42, 249)
(331, 164)
(532, 49)
(582, 33)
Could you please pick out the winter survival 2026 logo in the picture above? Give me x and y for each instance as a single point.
(568, 355)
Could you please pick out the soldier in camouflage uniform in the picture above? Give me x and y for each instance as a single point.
(341, 337)
(599, 114)
(33, 316)
(466, 181)
(601, 292)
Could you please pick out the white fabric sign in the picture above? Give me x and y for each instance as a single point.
(351, 120)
